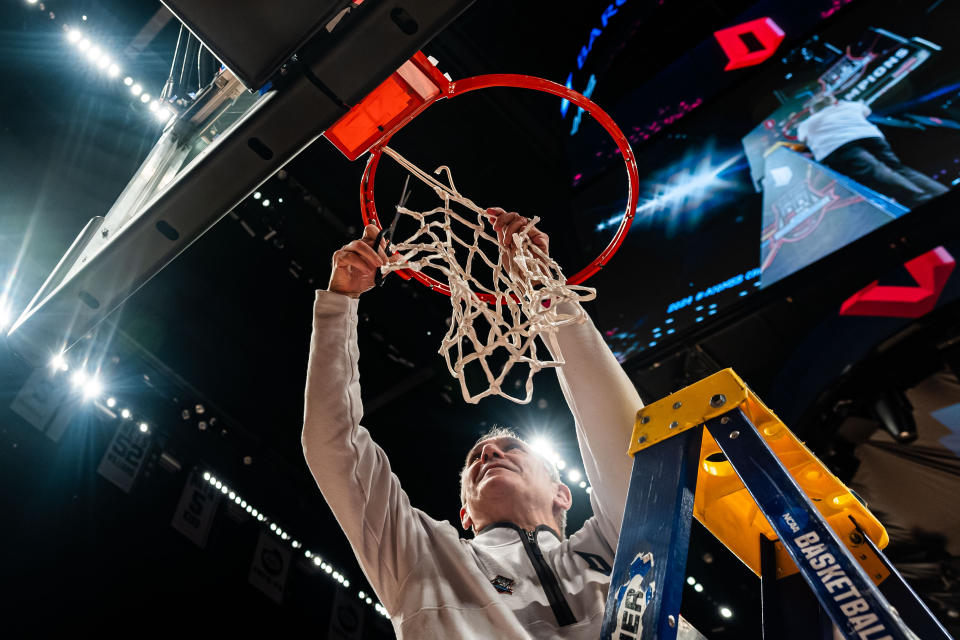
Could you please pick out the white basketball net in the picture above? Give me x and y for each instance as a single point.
(528, 287)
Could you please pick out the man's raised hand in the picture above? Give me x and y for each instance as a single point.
(355, 265)
(508, 223)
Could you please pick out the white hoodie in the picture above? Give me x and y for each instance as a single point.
(505, 583)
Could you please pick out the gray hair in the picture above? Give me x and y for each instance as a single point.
(498, 431)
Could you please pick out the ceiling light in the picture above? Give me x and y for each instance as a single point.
(83, 45)
(126, 414)
(111, 402)
(698, 587)
(113, 70)
(74, 35)
(143, 427)
(145, 98)
(574, 475)
(136, 89)
(164, 114)
(78, 378)
(128, 81)
(726, 612)
(59, 363)
(92, 388)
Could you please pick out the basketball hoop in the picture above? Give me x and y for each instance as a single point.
(528, 288)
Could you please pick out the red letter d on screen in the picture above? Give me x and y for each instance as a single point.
(749, 43)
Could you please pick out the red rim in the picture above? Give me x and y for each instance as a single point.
(368, 206)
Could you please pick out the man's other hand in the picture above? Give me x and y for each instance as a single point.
(508, 223)
(356, 263)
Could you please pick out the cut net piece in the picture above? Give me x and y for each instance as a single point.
(529, 289)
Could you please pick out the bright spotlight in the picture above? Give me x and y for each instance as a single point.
(143, 427)
(164, 114)
(79, 378)
(154, 105)
(128, 81)
(256, 195)
(726, 612)
(93, 388)
(74, 35)
(94, 53)
(59, 363)
(317, 561)
(574, 475)
(265, 203)
(31, 1)
(125, 414)
(145, 98)
(691, 580)
(583, 484)
(112, 402)
(698, 587)
(113, 70)
(544, 448)
(83, 45)
(561, 464)
(346, 583)
(206, 476)
(104, 62)
(136, 89)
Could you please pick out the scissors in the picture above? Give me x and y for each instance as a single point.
(387, 234)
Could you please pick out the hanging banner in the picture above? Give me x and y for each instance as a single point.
(346, 618)
(271, 563)
(196, 509)
(40, 396)
(124, 457)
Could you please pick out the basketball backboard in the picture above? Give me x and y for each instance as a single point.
(214, 155)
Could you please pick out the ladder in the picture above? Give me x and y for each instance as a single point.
(714, 451)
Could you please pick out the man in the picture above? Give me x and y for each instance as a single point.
(519, 577)
(840, 136)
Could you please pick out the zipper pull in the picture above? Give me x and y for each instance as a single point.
(531, 537)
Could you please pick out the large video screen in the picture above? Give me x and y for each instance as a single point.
(750, 174)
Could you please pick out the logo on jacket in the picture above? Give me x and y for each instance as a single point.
(502, 584)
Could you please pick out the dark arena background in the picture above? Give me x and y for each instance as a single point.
(152, 479)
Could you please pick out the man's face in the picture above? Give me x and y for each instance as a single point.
(504, 480)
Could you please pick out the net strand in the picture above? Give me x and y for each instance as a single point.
(527, 286)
